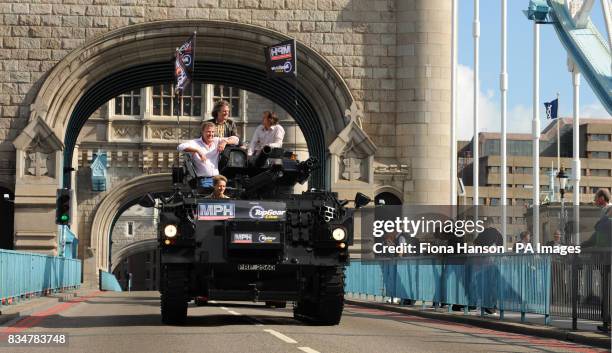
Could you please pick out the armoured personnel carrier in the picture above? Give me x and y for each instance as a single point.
(264, 243)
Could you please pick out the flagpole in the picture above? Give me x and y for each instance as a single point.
(504, 103)
(475, 164)
(558, 136)
(576, 162)
(453, 175)
(536, 132)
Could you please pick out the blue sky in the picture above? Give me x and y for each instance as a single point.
(554, 76)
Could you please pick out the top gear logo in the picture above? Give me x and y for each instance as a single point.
(259, 212)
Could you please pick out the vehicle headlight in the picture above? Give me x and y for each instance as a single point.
(170, 231)
(339, 234)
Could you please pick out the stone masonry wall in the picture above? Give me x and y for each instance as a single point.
(356, 36)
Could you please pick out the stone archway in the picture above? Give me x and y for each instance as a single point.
(113, 204)
(131, 249)
(226, 52)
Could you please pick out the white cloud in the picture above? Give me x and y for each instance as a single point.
(488, 109)
(593, 110)
(518, 118)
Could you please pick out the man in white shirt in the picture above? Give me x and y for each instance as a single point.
(269, 133)
(205, 151)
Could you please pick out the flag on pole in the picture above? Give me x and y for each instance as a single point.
(281, 59)
(184, 64)
(551, 108)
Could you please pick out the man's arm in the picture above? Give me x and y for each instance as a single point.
(189, 147)
(232, 140)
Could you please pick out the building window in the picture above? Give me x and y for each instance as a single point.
(522, 202)
(600, 154)
(600, 172)
(494, 201)
(544, 187)
(493, 169)
(128, 103)
(130, 229)
(230, 94)
(165, 103)
(520, 220)
(523, 170)
(600, 137)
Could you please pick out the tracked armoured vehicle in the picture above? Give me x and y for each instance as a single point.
(263, 244)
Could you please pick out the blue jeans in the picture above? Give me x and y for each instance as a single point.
(206, 182)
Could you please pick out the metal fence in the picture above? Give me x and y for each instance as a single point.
(23, 275)
(581, 285)
(567, 286)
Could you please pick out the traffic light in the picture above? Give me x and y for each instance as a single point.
(62, 209)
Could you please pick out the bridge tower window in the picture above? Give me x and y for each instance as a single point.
(230, 94)
(128, 103)
(166, 103)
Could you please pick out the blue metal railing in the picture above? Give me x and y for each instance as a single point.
(506, 282)
(23, 275)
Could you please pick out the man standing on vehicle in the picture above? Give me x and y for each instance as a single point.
(205, 151)
(224, 126)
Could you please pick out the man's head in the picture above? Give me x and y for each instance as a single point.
(221, 111)
(219, 184)
(557, 236)
(602, 197)
(269, 119)
(525, 236)
(208, 131)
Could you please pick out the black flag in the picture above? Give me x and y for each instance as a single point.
(281, 59)
(184, 64)
(551, 109)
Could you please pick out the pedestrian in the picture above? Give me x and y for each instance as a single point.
(524, 238)
(489, 236)
(205, 152)
(224, 126)
(269, 133)
(601, 242)
(556, 240)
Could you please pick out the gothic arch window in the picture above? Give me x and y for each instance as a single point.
(387, 198)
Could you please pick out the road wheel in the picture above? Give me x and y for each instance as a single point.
(174, 295)
(327, 308)
(201, 301)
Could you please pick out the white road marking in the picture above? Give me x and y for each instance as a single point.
(234, 313)
(280, 336)
(307, 350)
(213, 301)
(224, 308)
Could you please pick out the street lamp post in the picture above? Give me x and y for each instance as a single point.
(562, 184)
